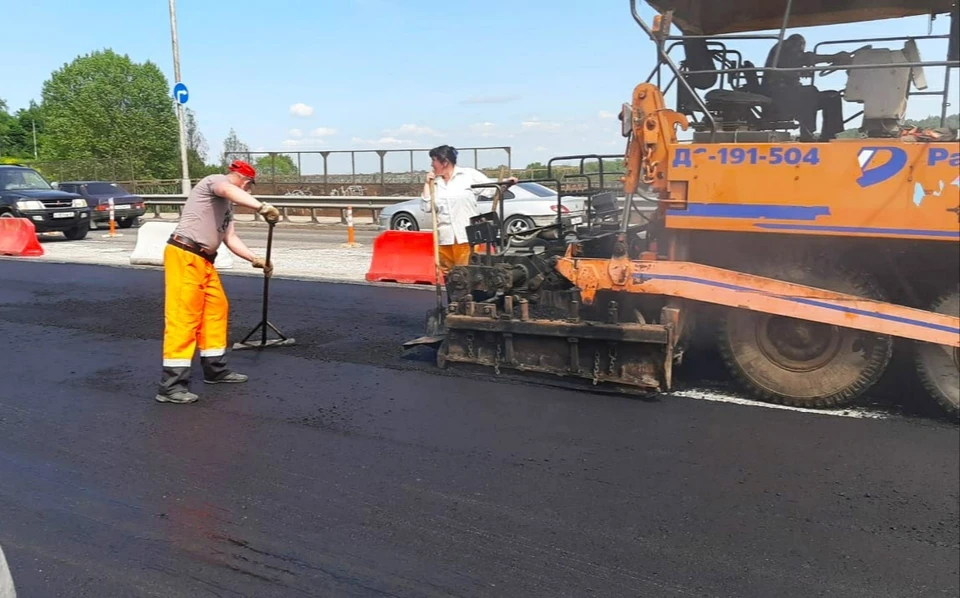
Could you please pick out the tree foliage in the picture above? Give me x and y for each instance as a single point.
(197, 148)
(104, 105)
(233, 149)
(279, 164)
(16, 130)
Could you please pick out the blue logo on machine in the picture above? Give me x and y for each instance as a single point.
(879, 164)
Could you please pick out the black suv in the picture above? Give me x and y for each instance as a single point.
(24, 193)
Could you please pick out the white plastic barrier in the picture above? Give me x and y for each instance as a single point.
(152, 241)
(6, 579)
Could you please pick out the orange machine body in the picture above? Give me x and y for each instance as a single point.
(852, 188)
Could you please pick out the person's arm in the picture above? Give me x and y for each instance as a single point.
(813, 59)
(235, 244)
(425, 195)
(240, 197)
(481, 179)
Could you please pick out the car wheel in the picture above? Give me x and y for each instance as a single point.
(77, 234)
(516, 226)
(7, 215)
(404, 221)
(126, 222)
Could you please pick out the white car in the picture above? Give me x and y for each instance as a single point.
(526, 206)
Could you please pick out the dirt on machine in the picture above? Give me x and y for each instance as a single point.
(802, 255)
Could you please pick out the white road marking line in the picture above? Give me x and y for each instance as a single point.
(710, 395)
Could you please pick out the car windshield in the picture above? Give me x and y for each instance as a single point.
(105, 189)
(537, 189)
(22, 179)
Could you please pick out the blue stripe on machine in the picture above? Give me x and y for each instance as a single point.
(812, 302)
(862, 230)
(748, 211)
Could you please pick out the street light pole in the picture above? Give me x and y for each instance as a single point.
(185, 169)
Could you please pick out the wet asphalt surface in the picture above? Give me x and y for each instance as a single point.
(347, 468)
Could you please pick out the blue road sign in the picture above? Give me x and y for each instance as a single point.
(180, 93)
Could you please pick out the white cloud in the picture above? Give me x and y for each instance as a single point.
(606, 115)
(323, 132)
(535, 124)
(295, 133)
(302, 110)
(489, 129)
(412, 131)
(380, 142)
(302, 143)
(539, 148)
(490, 99)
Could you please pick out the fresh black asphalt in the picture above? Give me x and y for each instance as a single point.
(347, 468)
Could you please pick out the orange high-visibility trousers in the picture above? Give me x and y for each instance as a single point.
(457, 254)
(195, 312)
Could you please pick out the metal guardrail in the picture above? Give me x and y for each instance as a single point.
(320, 202)
(286, 202)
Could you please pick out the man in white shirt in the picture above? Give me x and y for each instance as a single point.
(456, 203)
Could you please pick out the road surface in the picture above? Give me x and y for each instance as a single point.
(296, 235)
(346, 468)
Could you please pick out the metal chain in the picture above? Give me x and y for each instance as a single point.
(596, 367)
(496, 361)
(470, 345)
(649, 167)
(613, 360)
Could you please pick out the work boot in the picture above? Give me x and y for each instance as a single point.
(180, 396)
(227, 378)
(174, 386)
(215, 371)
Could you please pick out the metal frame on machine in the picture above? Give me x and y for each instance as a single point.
(661, 36)
(484, 221)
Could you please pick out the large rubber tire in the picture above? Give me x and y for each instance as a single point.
(939, 366)
(519, 224)
(405, 222)
(77, 234)
(825, 366)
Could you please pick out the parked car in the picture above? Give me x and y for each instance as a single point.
(526, 206)
(127, 208)
(24, 193)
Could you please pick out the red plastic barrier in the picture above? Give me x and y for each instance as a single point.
(18, 237)
(404, 257)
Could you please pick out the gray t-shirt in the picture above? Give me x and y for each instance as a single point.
(206, 216)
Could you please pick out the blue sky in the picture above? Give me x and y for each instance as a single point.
(545, 77)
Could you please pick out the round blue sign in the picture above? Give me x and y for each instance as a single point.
(180, 93)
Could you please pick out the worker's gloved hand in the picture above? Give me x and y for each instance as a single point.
(269, 213)
(261, 264)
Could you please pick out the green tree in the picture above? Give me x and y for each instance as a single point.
(281, 164)
(16, 130)
(197, 149)
(32, 124)
(233, 149)
(105, 106)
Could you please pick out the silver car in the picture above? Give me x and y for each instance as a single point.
(526, 206)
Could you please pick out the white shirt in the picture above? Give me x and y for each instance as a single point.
(456, 203)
